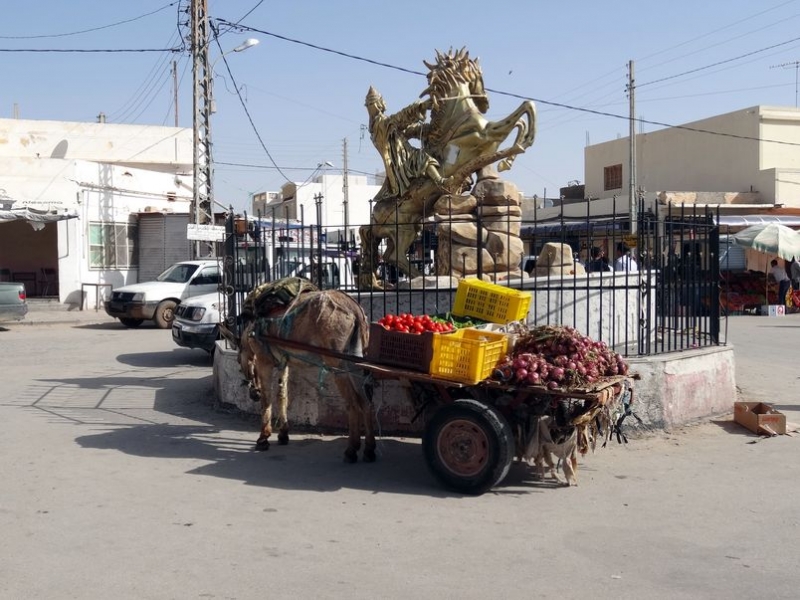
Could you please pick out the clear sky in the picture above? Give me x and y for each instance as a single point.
(693, 60)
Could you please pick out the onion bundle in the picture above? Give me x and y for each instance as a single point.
(558, 357)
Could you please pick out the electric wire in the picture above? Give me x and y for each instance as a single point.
(129, 106)
(244, 106)
(87, 50)
(90, 30)
(171, 107)
(524, 97)
(718, 63)
(710, 33)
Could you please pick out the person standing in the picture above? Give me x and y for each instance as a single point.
(625, 262)
(599, 261)
(781, 278)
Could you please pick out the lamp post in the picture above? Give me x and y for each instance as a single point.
(201, 209)
(248, 43)
(323, 168)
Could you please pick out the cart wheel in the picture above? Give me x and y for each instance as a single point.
(469, 446)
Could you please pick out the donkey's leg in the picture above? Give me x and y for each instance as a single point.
(365, 409)
(283, 405)
(346, 391)
(353, 432)
(263, 369)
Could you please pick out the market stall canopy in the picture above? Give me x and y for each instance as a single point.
(35, 218)
(771, 238)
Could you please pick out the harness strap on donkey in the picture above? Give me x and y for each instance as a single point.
(268, 297)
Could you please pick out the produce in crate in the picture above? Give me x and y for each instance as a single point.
(417, 324)
(558, 357)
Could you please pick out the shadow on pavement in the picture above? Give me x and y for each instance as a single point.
(307, 464)
(179, 357)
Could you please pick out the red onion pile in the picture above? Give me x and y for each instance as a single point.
(558, 357)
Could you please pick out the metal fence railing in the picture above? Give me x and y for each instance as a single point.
(669, 303)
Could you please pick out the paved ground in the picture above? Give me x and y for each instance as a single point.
(118, 480)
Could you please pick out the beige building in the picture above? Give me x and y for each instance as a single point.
(750, 157)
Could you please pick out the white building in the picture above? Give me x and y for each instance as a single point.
(103, 174)
(299, 201)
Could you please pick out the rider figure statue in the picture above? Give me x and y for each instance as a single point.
(390, 134)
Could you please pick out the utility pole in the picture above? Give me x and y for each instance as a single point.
(632, 206)
(175, 88)
(787, 65)
(200, 212)
(345, 196)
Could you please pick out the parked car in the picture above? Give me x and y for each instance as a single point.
(196, 323)
(156, 300)
(13, 301)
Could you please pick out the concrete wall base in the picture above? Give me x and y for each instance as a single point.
(675, 389)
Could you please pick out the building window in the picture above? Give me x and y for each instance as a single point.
(113, 246)
(612, 177)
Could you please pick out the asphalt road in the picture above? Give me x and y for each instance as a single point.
(118, 480)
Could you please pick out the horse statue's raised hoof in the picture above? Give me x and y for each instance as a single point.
(262, 444)
(283, 438)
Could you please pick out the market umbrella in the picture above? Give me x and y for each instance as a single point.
(771, 238)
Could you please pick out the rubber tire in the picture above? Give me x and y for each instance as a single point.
(165, 314)
(470, 423)
(131, 323)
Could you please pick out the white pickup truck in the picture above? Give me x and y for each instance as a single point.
(156, 300)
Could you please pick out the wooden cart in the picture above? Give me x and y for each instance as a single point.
(476, 430)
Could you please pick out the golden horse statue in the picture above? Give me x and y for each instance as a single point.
(457, 142)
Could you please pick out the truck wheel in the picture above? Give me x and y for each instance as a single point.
(131, 323)
(165, 314)
(469, 446)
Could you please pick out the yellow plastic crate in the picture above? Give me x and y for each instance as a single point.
(490, 302)
(467, 355)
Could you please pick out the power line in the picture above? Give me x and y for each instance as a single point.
(273, 167)
(718, 63)
(316, 47)
(56, 35)
(523, 97)
(85, 50)
(244, 106)
(723, 28)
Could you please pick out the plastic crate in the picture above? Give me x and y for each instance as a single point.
(407, 350)
(467, 355)
(490, 302)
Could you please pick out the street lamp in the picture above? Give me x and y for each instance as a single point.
(248, 43)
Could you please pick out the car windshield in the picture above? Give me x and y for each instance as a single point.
(180, 273)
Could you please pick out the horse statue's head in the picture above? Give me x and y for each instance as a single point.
(455, 74)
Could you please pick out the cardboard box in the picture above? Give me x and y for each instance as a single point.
(760, 418)
(773, 310)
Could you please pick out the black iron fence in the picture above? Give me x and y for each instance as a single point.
(647, 290)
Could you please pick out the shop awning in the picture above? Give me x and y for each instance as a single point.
(572, 226)
(748, 220)
(36, 218)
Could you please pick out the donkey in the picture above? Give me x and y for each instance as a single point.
(329, 320)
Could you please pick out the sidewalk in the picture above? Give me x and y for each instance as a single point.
(44, 311)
